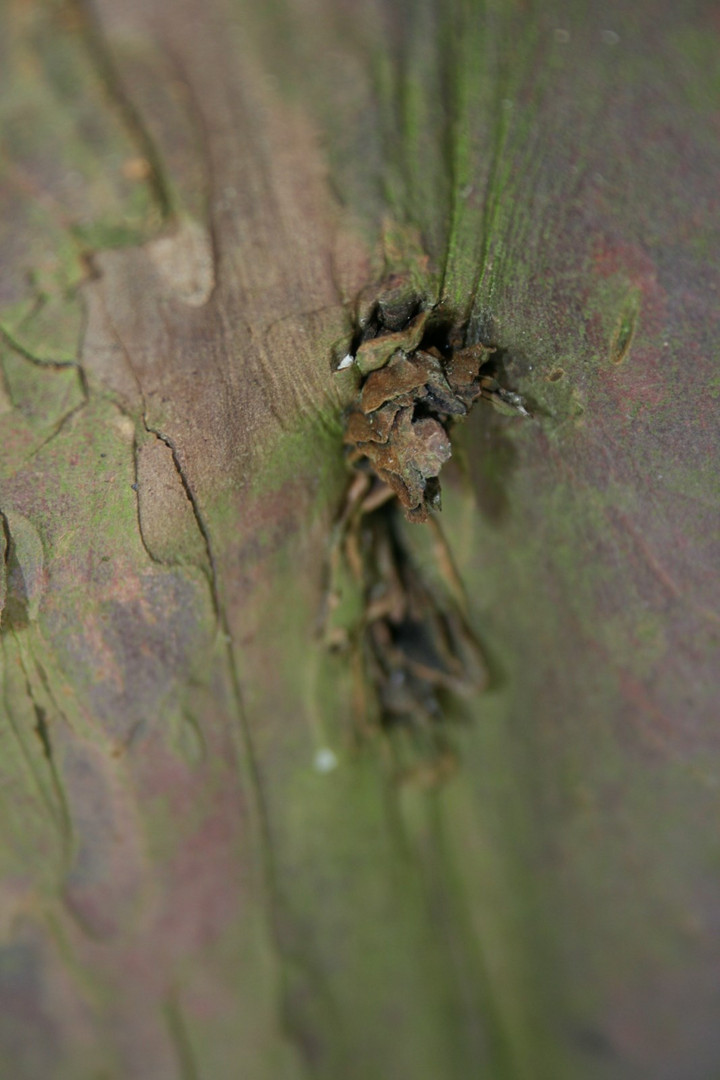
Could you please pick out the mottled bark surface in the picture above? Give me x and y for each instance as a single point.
(193, 195)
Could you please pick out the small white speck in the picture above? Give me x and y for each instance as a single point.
(507, 103)
(561, 36)
(466, 191)
(609, 37)
(346, 362)
(325, 760)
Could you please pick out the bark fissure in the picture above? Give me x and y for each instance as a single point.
(55, 804)
(101, 56)
(27, 354)
(199, 521)
(42, 730)
(251, 765)
(57, 430)
(4, 565)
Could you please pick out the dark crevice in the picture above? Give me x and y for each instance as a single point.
(15, 613)
(399, 304)
(388, 314)
(625, 330)
(4, 386)
(418, 652)
(41, 729)
(4, 571)
(6, 534)
(45, 681)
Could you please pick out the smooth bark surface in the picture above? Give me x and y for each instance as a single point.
(193, 196)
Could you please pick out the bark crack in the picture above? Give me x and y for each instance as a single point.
(57, 806)
(199, 521)
(23, 351)
(57, 429)
(4, 566)
(101, 57)
(250, 755)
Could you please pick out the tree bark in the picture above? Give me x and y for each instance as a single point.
(209, 867)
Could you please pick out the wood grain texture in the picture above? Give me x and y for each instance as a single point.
(194, 196)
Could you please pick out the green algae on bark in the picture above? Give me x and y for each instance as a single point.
(188, 882)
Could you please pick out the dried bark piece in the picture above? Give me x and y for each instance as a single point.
(423, 444)
(415, 453)
(409, 495)
(391, 306)
(442, 396)
(401, 376)
(373, 427)
(383, 433)
(398, 426)
(376, 352)
(464, 365)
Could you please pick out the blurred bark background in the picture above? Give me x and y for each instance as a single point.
(193, 196)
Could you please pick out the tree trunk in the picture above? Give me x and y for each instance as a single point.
(211, 864)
